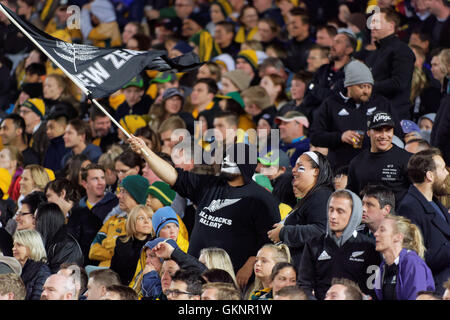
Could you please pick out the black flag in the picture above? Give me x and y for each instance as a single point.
(103, 71)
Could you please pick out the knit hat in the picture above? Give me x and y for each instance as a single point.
(135, 82)
(240, 79)
(5, 182)
(36, 105)
(162, 191)
(225, 60)
(357, 72)
(199, 18)
(183, 47)
(137, 187)
(132, 122)
(9, 265)
(162, 217)
(250, 56)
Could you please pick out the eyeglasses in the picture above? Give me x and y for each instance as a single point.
(177, 293)
(24, 213)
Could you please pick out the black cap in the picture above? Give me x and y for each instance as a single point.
(380, 119)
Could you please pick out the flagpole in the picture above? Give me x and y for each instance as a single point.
(71, 77)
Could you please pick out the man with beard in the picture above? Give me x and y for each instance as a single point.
(383, 163)
(342, 115)
(427, 172)
(329, 77)
(103, 134)
(233, 212)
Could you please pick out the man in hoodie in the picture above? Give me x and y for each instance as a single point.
(99, 25)
(341, 252)
(233, 212)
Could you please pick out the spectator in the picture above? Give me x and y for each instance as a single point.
(307, 220)
(119, 292)
(233, 175)
(169, 135)
(78, 275)
(331, 121)
(25, 215)
(416, 145)
(202, 96)
(127, 164)
(387, 161)
(57, 90)
(291, 293)
(185, 285)
(99, 280)
(224, 38)
(13, 133)
(293, 129)
(344, 289)
(329, 78)
(340, 178)
(392, 63)
(102, 132)
(234, 80)
(446, 295)
(268, 31)
(247, 61)
(257, 103)
(217, 258)
(403, 271)
(59, 244)
(11, 159)
(30, 252)
(440, 9)
(57, 120)
(136, 100)
(283, 274)
(248, 24)
(76, 138)
(378, 201)
(275, 86)
(34, 178)
(11, 287)
(427, 172)
(339, 238)
(220, 291)
(317, 57)
(298, 47)
(59, 287)
(33, 112)
(325, 35)
(99, 25)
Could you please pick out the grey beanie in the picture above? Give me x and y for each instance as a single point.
(357, 72)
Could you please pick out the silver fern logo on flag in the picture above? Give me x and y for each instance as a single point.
(71, 52)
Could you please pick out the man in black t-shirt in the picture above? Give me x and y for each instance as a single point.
(382, 163)
(233, 212)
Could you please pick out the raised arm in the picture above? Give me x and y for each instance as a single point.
(159, 166)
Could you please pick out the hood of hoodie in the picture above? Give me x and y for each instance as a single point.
(245, 156)
(103, 10)
(353, 223)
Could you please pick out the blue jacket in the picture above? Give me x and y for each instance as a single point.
(295, 149)
(91, 151)
(55, 151)
(435, 231)
(413, 276)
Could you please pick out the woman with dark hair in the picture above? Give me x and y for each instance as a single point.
(313, 185)
(128, 164)
(60, 245)
(72, 171)
(150, 138)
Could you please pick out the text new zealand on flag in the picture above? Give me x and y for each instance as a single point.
(104, 71)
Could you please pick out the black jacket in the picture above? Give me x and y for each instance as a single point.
(6, 242)
(139, 108)
(282, 189)
(84, 223)
(297, 54)
(305, 222)
(323, 260)
(39, 141)
(63, 247)
(33, 275)
(338, 114)
(435, 232)
(55, 151)
(126, 256)
(440, 134)
(392, 66)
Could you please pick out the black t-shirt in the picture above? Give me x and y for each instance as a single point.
(30, 157)
(233, 218)
(388, 168)
(390, 282)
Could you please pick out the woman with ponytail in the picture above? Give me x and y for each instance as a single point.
(403, 272)
(312, 185)
(267, 257)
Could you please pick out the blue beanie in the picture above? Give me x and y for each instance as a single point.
(162, 217)
(183, 47)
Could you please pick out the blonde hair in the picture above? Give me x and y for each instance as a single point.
(412, 237)
(131, 221)
(257, 95)
(33, 240)
(444, 59)
(107, 159)
(281, 253)
(39, 176)
(218, 258)
(15, 155)
(418, 83)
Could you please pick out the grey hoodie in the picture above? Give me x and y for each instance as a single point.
(354, 222)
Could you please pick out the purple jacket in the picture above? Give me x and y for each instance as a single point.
(413, 276)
